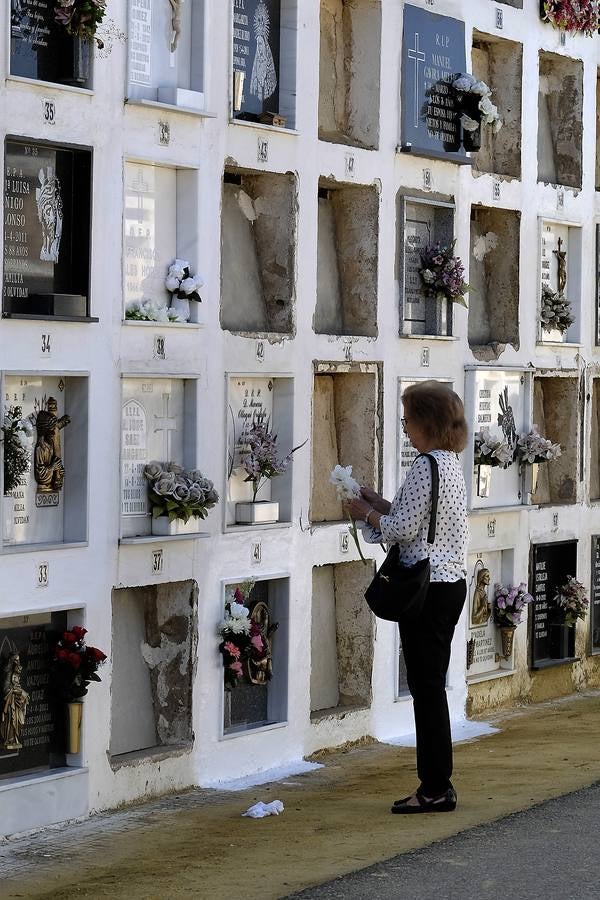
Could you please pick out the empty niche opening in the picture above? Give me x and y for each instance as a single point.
(500, 64)
(560, 120)
(595, 441)
(555, 412)
(155, 633)
(348, 238)
(259, 700)
(258, 234)
(422, 223)
(349, 72)
(342, 400)
(341, 639)
(494, 282)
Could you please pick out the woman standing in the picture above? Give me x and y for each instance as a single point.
(435, 423)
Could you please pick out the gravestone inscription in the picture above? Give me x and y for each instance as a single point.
(41, 48)
(595, 593)
(256, 25)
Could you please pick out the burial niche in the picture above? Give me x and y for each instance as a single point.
(47, 202)
(499, 64)
(423, 224)
(494, 282)
(166, 52)
(349, 72)
(556, 411)
(560, 120)
(347, 255)
(341, 639)
(485, 653)
(560, 280)
(42, 49)
(258, 257)
(595, 441)
(154, 641)
(343, 396)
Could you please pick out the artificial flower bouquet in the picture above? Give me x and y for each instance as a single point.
(177, 493)
(571, 602)
(241, 637)
(556, 311)
(442, 274)
(475, 105)
(572, 16)
(75, 664)
(491, 450)
(509, 604)
(532, 448)
(260, 459)
(17, 437)
(181, 283)
(81, 17)
(151, 311)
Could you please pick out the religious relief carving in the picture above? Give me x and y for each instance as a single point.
(259, 670)
(264, 74)
(49, 471)
(50, 213)
(14, 704)
(506, 419)
(480, 606)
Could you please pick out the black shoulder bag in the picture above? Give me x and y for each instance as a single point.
(397, 592)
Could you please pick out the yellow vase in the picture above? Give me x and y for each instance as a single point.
(74, 714)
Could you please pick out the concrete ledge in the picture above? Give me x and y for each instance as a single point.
(35, 801)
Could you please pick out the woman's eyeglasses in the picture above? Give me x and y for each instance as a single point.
(404, 421)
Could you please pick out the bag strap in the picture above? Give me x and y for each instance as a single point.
(435, 492)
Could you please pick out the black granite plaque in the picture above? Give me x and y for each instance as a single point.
(43, 736)
(46, 229)
(256, 28)
(433, 54)
(550, 566)
(41, 48)
(595, 593)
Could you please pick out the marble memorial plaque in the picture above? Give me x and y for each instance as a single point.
(150, 231)
(433, 53)
(250, 402)
(40, 48)
(140, 42)
(42, 736)
(484, 570)
(551, 563)
(46, 229)
(152, 429)
(256, 26)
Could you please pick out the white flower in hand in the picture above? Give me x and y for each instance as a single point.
(346, 486)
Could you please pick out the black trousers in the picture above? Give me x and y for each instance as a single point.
(426, 646)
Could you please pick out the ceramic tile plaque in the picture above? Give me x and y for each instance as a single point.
(484, 570)
(256, 25)
(250, 401)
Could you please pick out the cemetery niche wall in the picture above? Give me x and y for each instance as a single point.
(42, 49)
(349, 72)
(557, 407)
(258, 257)
(551, 564)
(494, 280)
(499, 63)
(160, 224)
(165, 53)
(45, 486)
(158, 424)
(347, 259)
(560, 120)
(343, 395)
(32, 737)
(47, 203)
(560, 281)
(154, 642)
(423, 223)
(342, 635)
(433, 54)
(487, 657)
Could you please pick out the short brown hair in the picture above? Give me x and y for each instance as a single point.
(439, 411)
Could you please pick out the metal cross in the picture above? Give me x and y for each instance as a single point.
(418, 57)
(167, 424)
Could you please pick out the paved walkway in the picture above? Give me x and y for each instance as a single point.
(336, 819)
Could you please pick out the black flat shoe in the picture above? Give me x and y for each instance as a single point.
(445, 803)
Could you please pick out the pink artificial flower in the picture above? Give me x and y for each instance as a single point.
(257, 642)
(232, 649)
(237, 668)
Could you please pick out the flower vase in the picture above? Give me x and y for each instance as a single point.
(484, 479)
(470, 652)
(8, 519)
(562, 641)
(161, 526)
(181, 306)
(507, 636)
(257, 512)
(74, 715)
(472, 140)
(553, 335)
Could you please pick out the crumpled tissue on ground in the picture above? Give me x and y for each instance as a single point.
(260, 809)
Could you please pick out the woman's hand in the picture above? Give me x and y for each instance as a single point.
(375, 500)
(359, 509)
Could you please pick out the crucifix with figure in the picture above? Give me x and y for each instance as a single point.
(419, 57)
(167, 424)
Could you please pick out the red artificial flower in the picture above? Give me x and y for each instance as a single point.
(97, 655)
(69, 637)
(62, 654)
(75, 660)
(79, 632)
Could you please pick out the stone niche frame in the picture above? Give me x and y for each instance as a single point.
(67, 522)
(342, 640)
(558, 404)
(274, 590)
(136, 527)
(549, 565)
(347, 259)
(485, 405)
(560, 120)
(571, 235)
(154, 644)
(160, 223)
(275, 405)
(349, 72)
(494, 278)
(499, 63)
(258, 252)
(57, 58)
(155, 76)
(422, 220)
(486, 647)
(352, 392)
(243, 61)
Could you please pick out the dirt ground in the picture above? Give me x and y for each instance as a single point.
(336, 819)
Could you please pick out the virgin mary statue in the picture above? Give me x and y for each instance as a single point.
(264, 77)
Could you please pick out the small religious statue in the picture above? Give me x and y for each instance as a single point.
(261, 670)
(506, 419)
(14, 704)
(561, 256)
(48, 469)
(480, 608)
(176, 6)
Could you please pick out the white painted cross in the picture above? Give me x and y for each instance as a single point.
(418, 57)
(140, 187)
(166, 424)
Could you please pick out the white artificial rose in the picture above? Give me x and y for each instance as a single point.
(172, 283)
(188, 285)
(464, 83)
(238, 610)
(481, 88)
(468, 123)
